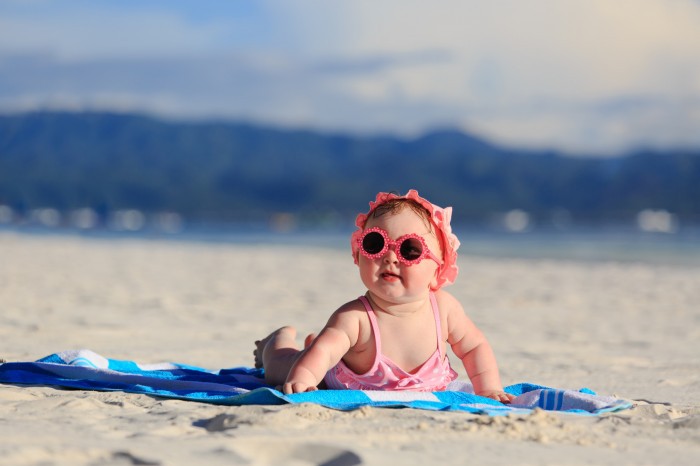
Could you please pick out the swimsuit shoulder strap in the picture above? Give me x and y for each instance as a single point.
(374, 324)
(438, 326)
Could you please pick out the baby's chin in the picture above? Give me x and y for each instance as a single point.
(395, 296)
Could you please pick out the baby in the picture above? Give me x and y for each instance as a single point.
(395, 336)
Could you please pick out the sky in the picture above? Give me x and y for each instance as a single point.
(588, 77)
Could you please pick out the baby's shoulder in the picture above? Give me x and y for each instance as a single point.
(352, 306)
(352, 316)
(447, 303)
(352, 310)
(446, 299)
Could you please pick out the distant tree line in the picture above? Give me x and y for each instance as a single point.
(229, 171)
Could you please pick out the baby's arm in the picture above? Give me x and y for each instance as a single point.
(336, 338)
(473, 349)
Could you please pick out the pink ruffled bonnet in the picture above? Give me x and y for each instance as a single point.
(440, 218)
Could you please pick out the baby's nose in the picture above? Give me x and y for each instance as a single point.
(390, 257)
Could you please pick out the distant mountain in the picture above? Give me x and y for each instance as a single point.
(237, 171)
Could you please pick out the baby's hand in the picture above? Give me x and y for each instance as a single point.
(498, 395)
(296, 387)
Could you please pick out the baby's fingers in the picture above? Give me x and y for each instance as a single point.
(290, 388)
(504, 397)
(297, 387)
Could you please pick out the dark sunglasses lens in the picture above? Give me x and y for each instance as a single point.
(373, 243)
(411, 249)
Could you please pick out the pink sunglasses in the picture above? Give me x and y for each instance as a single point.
(410, 249)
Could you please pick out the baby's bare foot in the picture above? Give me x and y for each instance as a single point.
(276, 354)
(284, 334)
(258, 351)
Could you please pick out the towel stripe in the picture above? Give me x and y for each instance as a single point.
(551, 399)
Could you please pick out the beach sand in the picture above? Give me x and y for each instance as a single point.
(625, 329)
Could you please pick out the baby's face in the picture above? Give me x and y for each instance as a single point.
(388, 278)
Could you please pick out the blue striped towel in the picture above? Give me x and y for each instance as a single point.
(84, 369)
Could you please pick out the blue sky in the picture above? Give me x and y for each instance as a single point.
(584, 76)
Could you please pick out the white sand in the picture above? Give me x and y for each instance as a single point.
(631, 330)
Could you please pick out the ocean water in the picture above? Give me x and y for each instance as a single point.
(588, 245)
(611, 243)
(595, 244)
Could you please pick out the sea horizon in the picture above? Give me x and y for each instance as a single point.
(621, 243)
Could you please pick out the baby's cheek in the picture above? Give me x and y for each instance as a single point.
(366, 269)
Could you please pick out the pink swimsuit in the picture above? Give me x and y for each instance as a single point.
(433, 375)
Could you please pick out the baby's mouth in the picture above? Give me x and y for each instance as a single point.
(390, 276)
